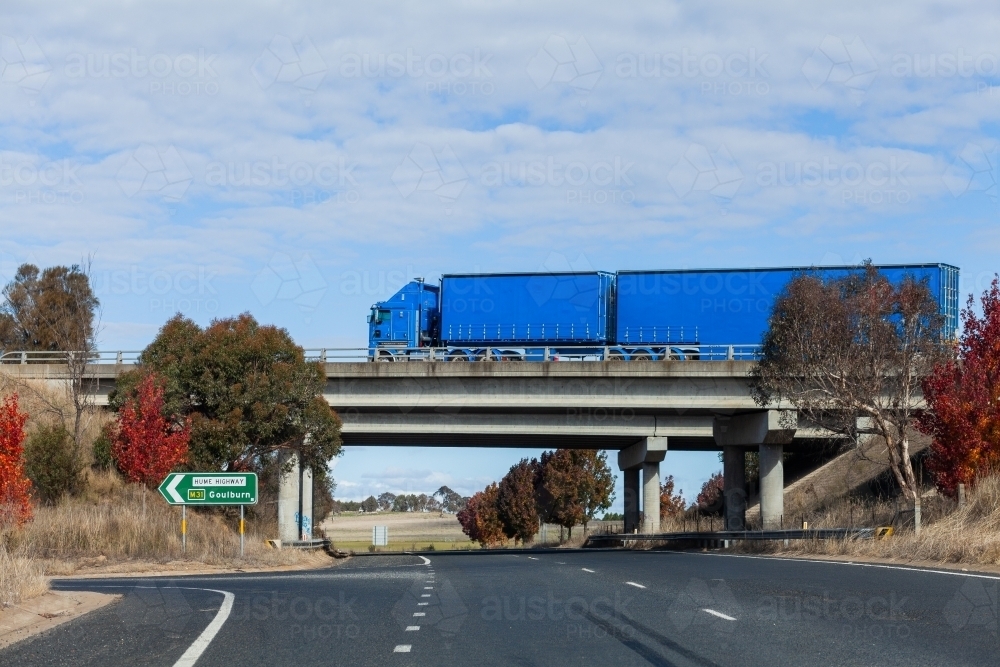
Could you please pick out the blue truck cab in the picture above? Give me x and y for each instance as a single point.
(406, 320)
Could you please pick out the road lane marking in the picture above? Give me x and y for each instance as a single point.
(719, 614)
(532, 558)
(419, 613)
(208, 634)
(402, 648)
(412, 628)
(632, 583)
(428, 588)
(558, 563)
(427, 561)
(425, 595)
(586, 570)
(422, 604)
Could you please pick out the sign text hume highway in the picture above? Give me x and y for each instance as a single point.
(210, 488)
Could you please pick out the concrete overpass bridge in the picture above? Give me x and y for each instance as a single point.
(640, 409)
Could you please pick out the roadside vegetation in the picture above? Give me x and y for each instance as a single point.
(869, 349)
(77, 482)
(565, 487)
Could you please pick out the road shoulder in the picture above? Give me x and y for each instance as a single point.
(142, 569)
(44, 612)
(971, 568)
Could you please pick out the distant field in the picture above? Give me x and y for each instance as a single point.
(407, 530)
(416, 531)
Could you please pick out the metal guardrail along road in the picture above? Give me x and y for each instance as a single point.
(620, 539)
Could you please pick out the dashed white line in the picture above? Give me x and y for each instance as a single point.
(422, 604)
(402, 648)
(558, 563)
(428, 588)
(425, 595)
(419, 613)
(632, 583)
(532, 558)
(412, 628)
(586, 570)
(719, 614)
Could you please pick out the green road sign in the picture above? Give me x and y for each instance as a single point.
(210, 488)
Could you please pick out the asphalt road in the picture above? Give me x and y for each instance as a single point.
(550, 608)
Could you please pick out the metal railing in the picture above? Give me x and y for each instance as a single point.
(561, 353)
(121, 357)
(686, 538)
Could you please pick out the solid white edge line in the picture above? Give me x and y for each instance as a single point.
(208, 634)
(632, 583)
(719, 614)
(883, 566)
(427, 561)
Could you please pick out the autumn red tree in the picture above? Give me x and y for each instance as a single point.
(481, 519)
(147, 445)
(15, 487)
(516, 501)
(671, 504)
(963, 400)
(709, 499)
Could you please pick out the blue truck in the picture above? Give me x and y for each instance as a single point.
(596, 315)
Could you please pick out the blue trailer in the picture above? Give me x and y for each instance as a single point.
(732, 306)
(629, 315)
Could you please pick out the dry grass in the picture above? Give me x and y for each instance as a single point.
(417, 531)
(115, 523)
(970, 535)
(20, 578)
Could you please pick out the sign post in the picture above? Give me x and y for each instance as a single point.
(210, 488)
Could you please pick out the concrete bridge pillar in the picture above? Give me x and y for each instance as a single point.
(772, 486)
(644, 455)
(734, 487)
(631, 500)
(770, 430)
(651, 497)
(295, 495)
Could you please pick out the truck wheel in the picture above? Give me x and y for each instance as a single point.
(457, 356)
(383, 355)
(616, 355)
(641, 356)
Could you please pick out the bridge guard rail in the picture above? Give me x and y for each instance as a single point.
(562, 353)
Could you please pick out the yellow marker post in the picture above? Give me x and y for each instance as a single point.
(241, 531)
(184, 529)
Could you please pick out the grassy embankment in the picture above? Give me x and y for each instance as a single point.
(970, 535)
(126, 527)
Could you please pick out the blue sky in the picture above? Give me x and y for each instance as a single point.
(300, 161)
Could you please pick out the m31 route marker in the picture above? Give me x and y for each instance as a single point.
(209, 488)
